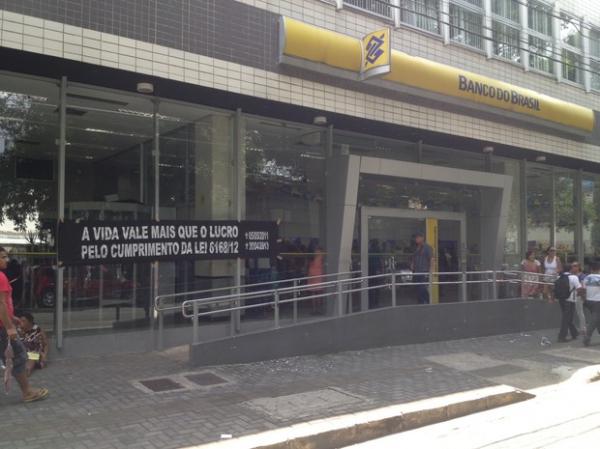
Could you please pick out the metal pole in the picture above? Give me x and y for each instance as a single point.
(393, 289)
(156, 151)
(161, 329)
(340, 298)
(195, 324)
(464, 286)
(295, 303)
(276, 311)
(62, 152)
(239, 180)
(495, 285)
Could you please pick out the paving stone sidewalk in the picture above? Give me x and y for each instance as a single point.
(98, 402)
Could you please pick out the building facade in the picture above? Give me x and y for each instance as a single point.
(248, 109)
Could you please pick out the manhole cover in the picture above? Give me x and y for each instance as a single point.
(310, 403)
(161, 385)
(205, 379)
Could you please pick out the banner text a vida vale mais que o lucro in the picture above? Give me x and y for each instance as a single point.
(103, 242)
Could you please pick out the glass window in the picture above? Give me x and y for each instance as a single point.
(595, 43)
(108, 178)
(595, 66)
(564, 204)
(379, 7)
(422, 14)
(466, 26)
(285, 181)
(509, 9)
(506, 41)
(539, 207)
(571, 64)
(570, 31)
(591, 212)
(29, 132)
(365, 145)
(512, 246)
(540, 17)
(540, 54)
(197, 182)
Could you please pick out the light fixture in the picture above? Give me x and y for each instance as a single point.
(540, 159)
(145, 88)
(320, 120)
(488, 150)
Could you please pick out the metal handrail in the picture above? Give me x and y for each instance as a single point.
(276, 297)
(208, 293)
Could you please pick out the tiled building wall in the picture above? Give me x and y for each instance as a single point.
(227, 45)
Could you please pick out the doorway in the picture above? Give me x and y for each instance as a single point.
(387, 245)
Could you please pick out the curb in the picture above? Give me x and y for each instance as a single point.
(359, 427)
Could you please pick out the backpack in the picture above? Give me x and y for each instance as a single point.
(562, 287)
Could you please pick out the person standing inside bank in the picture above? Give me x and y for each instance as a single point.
(421, 266)
(12, 350)
(592, 296)
(552, 267)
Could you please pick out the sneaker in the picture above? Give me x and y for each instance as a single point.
(562, 340)
(586, 341)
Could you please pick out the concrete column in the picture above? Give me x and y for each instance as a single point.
(488, 43)
(557, 41)
(215, 182)
(586, 70)
(445, 20)
(524, 35)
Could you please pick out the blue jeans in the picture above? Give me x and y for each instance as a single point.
(422, 290)
(20, 353)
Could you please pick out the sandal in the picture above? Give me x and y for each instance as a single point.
(41, 394)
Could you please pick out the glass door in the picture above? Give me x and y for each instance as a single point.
(388, 244)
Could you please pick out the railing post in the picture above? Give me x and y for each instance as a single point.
(393, 289)
(464, 286)
(276, 311)
(195, 329)
(340, 298)
(161, 329)
(495, 285)
(295, 303)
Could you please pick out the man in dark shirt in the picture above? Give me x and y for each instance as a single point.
(421, 264)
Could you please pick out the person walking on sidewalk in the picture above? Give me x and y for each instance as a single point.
(421, 265)
(566, 289)
(12, 351)
(592, 294)
(576, 269)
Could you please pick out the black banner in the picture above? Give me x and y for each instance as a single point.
(101, 242)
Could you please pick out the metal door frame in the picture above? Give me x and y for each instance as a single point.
(367, 212)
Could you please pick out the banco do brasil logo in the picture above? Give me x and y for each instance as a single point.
(374, 50)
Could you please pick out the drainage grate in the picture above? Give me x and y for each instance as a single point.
(205, 379)
(161, 385)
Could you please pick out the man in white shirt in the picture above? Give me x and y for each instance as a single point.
(592, 293)
(567, 307)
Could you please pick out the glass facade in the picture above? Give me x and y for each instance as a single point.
(133, 157)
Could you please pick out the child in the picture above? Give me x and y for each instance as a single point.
(35, 341)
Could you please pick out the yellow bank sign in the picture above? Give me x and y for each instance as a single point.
(376, 53)
(373, 56)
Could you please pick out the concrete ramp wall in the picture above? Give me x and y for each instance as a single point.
(385, 327)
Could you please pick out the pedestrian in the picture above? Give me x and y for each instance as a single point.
(531, 269)
(12, 350)
(35, 341)
(579, 305)
(552, 266)
(592, 295)
(421, 266)
(566, 289)
(316, 279)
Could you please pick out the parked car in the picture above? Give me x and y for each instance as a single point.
(83, 285)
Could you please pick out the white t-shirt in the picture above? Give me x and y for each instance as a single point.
(574, 284)
(592, 287)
